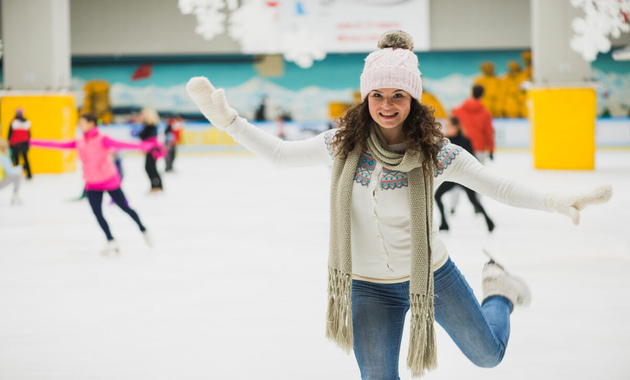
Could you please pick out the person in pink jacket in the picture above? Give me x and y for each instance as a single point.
(100, 173)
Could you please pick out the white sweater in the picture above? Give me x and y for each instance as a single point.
(381, 242)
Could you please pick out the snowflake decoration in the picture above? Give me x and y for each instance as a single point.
(256, 25)
(303, 47)
(210, 19)
(603, 18)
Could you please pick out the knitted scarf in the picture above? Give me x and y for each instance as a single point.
(422, 352)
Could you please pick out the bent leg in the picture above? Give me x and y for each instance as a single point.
(170, 156)
(17, 179)
(15, 158)
(119, 198)
(27, 166)
(14, 179)
(378, 317)
(151, 167)
(472, 196)
(96, 199)
(443, 189)
(480, 332)
(454, 199)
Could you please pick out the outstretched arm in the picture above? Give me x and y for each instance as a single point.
(215, 108)
(464, 169)
(307, 152)
(154, 147)
(117, 144)
(53, 144)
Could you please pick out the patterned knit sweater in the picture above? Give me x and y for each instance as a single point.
(380, 198)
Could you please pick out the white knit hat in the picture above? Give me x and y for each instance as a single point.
(392, 67)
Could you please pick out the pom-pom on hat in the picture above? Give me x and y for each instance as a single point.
(394, 66)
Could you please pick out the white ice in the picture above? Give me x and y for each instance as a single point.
(236, 285)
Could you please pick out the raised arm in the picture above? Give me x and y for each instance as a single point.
(212, 103)
(53, 144)
(464, 169)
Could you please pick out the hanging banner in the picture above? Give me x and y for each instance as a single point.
(334, 26)
(355, 26)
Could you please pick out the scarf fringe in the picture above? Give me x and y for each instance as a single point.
(339, 314)
(422, 345)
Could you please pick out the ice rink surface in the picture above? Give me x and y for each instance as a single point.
(235, 287)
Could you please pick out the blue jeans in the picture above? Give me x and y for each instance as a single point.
(378, 315)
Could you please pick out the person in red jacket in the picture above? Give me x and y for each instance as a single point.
(19, 137)
(477, 123)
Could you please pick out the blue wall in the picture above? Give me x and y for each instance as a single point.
(306, 93)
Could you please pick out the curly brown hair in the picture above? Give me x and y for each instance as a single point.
(422, 132)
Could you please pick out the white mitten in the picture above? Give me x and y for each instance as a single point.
(571, 204)
(211, 102)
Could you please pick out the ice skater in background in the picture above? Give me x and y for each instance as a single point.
(116, 156)
(100, 173)
(173, 136)
(453, 131)
(9, 174)
(476, 122)
(149, 133)
(385, 259)
(19, 136)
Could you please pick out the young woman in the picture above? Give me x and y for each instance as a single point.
(453, 131)
(100, 173)
(151, 119)
(385, 258)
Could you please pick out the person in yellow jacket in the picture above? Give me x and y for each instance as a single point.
(431, 100)
(492, 85)
(526, 76)
(512, 98)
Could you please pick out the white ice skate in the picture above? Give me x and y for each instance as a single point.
(497, 281)
(148, 238)
(111, 247)
(16, 200)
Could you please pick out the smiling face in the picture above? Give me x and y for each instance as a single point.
(389, 108)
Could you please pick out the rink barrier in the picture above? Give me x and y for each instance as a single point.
(510, 134)
(52, 116)
(207, 136)
(563, 127)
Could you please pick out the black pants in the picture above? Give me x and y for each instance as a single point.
(472, 196)
(151, 168)
(16, 150)
(95, 197)
(170, 157)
